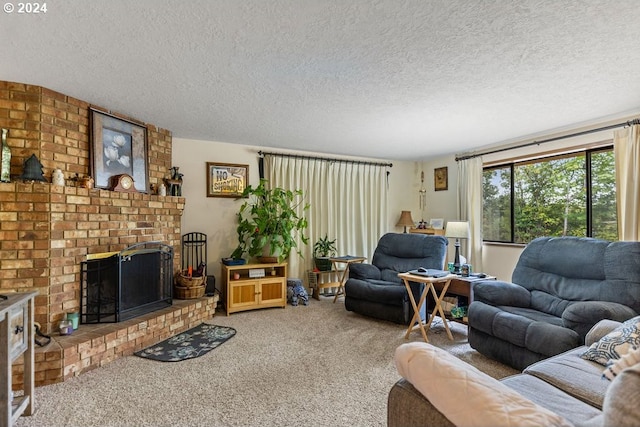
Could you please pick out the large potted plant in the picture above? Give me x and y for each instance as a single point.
(268, 223)
(323, 249)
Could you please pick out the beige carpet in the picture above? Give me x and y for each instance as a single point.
(315, 365)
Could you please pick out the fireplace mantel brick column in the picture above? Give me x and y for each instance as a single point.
(46, 231)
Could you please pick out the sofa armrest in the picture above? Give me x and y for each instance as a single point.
(582, 315)
(406, 406)
(599, 330)
(445, 381)
(364, 271)
(497, 292)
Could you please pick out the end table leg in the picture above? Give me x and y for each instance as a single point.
(416, 313)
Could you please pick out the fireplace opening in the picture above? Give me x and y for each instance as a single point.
(123, 285)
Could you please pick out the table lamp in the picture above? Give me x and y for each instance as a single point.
(405, 220)
(458, 230)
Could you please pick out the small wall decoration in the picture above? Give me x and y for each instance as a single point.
(118, 147)
(440, 179)
(226, 179)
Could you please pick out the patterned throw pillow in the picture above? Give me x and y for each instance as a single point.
(616, 343)
(615, 366)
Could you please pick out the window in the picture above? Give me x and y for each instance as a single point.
(563, 195)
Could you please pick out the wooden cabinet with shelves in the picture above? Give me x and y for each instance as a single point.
(245, 292)
(16, 339)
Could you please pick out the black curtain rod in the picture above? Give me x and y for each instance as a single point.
(297, 156)
(557, 138)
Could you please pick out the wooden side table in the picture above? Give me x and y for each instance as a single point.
(322, 279)
(347, 260)
(16, 339)
(462, 287)
(445, 282)
(253, 286)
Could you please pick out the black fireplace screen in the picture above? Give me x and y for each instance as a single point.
(135, 281)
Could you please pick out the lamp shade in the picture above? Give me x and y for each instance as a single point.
(405, 220)
(457, 229)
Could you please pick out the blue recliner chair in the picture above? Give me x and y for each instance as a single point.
(560, 288)
(375, 289)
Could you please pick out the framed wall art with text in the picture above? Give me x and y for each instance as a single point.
(226, 179)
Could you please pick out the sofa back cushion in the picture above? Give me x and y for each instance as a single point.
(401, 252)
(580, 269)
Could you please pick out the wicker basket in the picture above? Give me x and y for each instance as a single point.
(181, 292)
(188, 282)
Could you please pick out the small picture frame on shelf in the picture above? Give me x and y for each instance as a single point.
(436, 223)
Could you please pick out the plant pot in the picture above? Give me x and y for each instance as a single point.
(267, 256)
(323, 263)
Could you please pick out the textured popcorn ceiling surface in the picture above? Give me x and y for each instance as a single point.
(389, 79)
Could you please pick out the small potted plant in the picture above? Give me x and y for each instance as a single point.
(322, 250)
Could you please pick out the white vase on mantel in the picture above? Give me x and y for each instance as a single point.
(162, 189)
(57, 177)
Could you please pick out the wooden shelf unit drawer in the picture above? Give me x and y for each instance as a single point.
(18, 321)
(16, 340)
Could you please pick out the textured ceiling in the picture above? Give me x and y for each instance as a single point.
(389, 79)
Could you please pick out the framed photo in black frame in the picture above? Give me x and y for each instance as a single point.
(118, 147)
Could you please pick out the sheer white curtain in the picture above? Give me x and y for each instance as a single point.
(348, 202)
(470, 207)
(626, 149)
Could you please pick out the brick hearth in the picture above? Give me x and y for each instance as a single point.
(93, 346)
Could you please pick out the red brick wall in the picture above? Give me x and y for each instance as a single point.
(46, 230)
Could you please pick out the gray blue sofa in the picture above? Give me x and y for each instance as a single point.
(375, 290)
(438, 389)
(559, 289)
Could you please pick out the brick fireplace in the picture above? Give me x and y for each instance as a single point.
(46, 231)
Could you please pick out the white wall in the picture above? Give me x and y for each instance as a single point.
(216, 216)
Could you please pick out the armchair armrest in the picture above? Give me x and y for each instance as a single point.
(582, 315)
(364, 271)
(497, 292)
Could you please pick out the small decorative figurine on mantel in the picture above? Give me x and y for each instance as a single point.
(57, 178)
(175, 182)
(83, 181)
(33, 170)
(162, 189)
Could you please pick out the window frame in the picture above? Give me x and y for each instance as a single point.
(512, 163)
